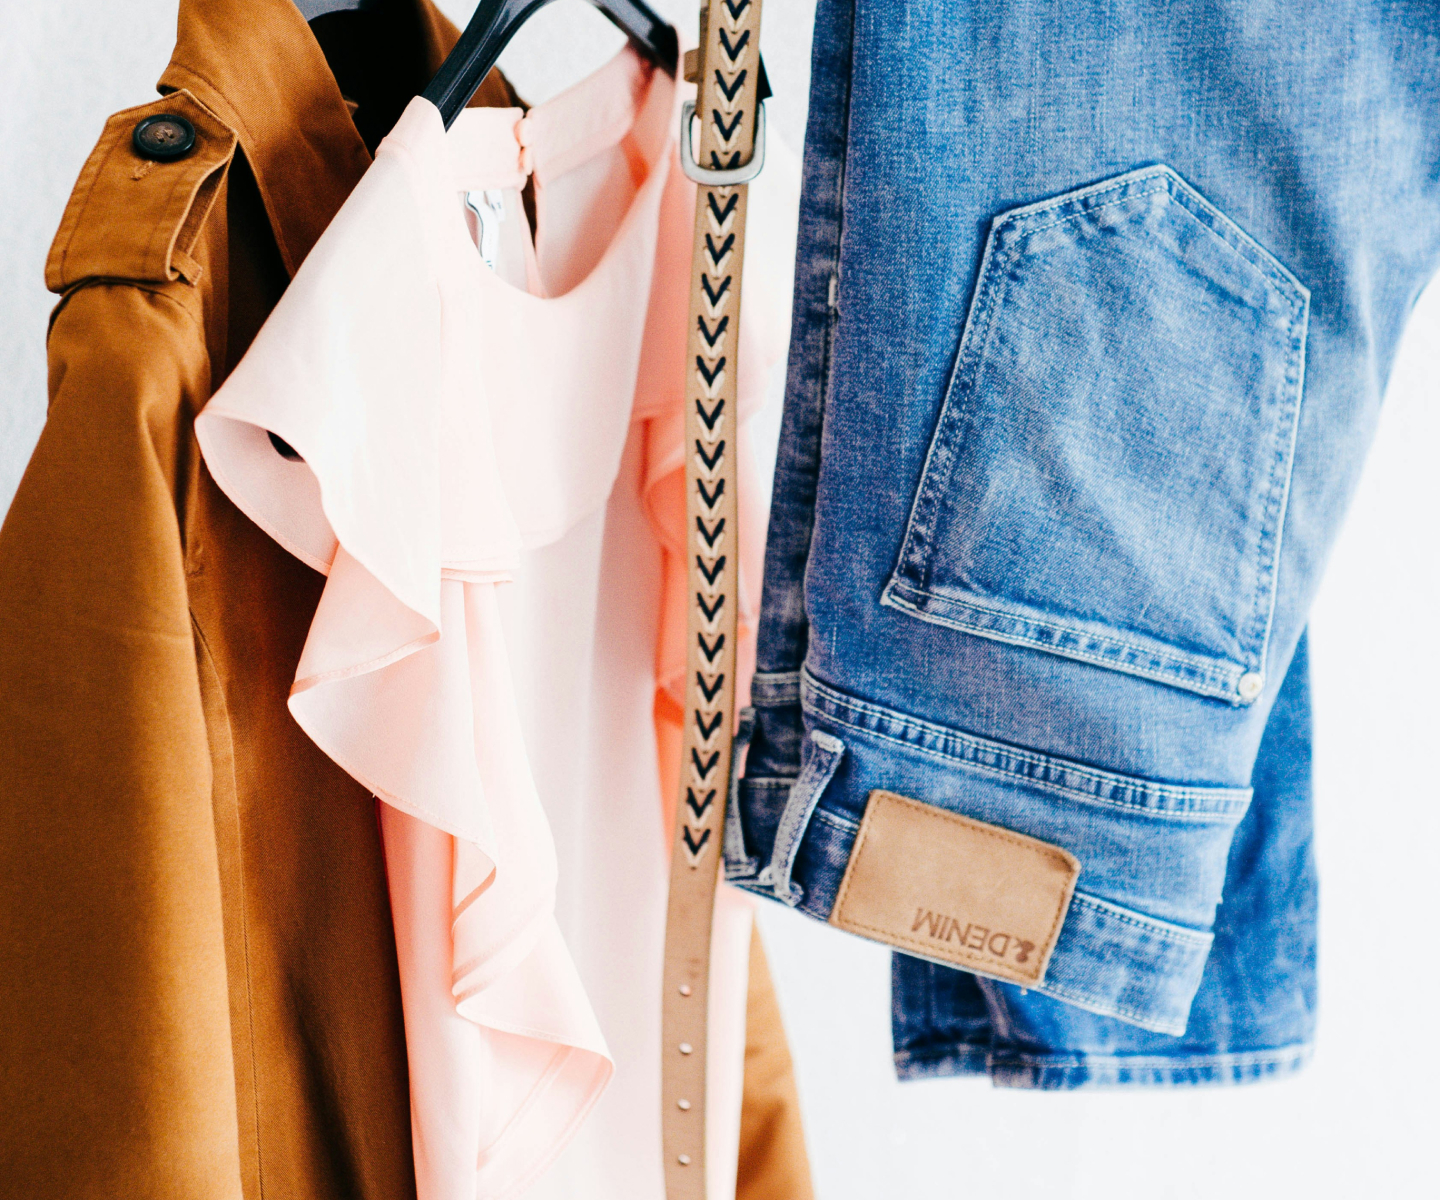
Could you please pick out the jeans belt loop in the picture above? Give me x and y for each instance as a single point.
(795, 819)
(738, 864)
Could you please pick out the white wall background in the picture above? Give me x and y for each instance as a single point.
(1361, 1121)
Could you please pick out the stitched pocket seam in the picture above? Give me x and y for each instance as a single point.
(1104, 642)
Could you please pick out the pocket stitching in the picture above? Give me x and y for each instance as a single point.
(1169, 180)
(1018, 218)
(1296, 297)
(1199, 673)
(974, 338)
(967, 353)
(1270, 268)
(1214, 676)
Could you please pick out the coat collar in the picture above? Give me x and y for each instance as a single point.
(258, 67)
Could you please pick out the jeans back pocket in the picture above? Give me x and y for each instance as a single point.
(1108, 477)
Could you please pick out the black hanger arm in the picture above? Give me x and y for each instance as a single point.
(495, 22)
(647, 29)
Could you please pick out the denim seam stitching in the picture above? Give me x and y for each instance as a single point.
(818, 387)
(1263, 269)
(818, 691)
(1277, 499)
(1090, 1001)
(915, 546)
(1208, 680)
(970, 354)
(1165, 930)
(1001, 773)
(1213, 1067)
(1108, 1008)
(779, 694)
(1044, 785)
(1181, 194)
(1016, 220)
(942, 451)
(828, 693)
(844, 824)
(1080, 195)
(1151, 1061)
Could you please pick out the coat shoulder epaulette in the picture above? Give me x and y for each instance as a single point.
(143, 196)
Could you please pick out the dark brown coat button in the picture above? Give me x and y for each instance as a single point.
(164, 137)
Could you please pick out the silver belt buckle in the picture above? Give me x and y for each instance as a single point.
(713, 178)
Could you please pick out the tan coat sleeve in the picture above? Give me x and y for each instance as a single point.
(114, 1040)
(773, 1161)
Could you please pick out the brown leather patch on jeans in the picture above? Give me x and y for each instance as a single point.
(951, 888)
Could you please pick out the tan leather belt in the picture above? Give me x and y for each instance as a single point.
(731, 152)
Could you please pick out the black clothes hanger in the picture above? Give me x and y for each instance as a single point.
(496, 21)
(377, 52)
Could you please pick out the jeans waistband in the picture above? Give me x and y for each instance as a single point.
(1134, 940)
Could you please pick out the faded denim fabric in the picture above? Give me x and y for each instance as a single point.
(1254, 1015)
(1095, 305)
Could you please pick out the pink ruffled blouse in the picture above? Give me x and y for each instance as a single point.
(487, 475)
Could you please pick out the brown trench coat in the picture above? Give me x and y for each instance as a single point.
(198, 989)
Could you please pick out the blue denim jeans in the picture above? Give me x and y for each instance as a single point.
(1253, 1017)
(1094, 308)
